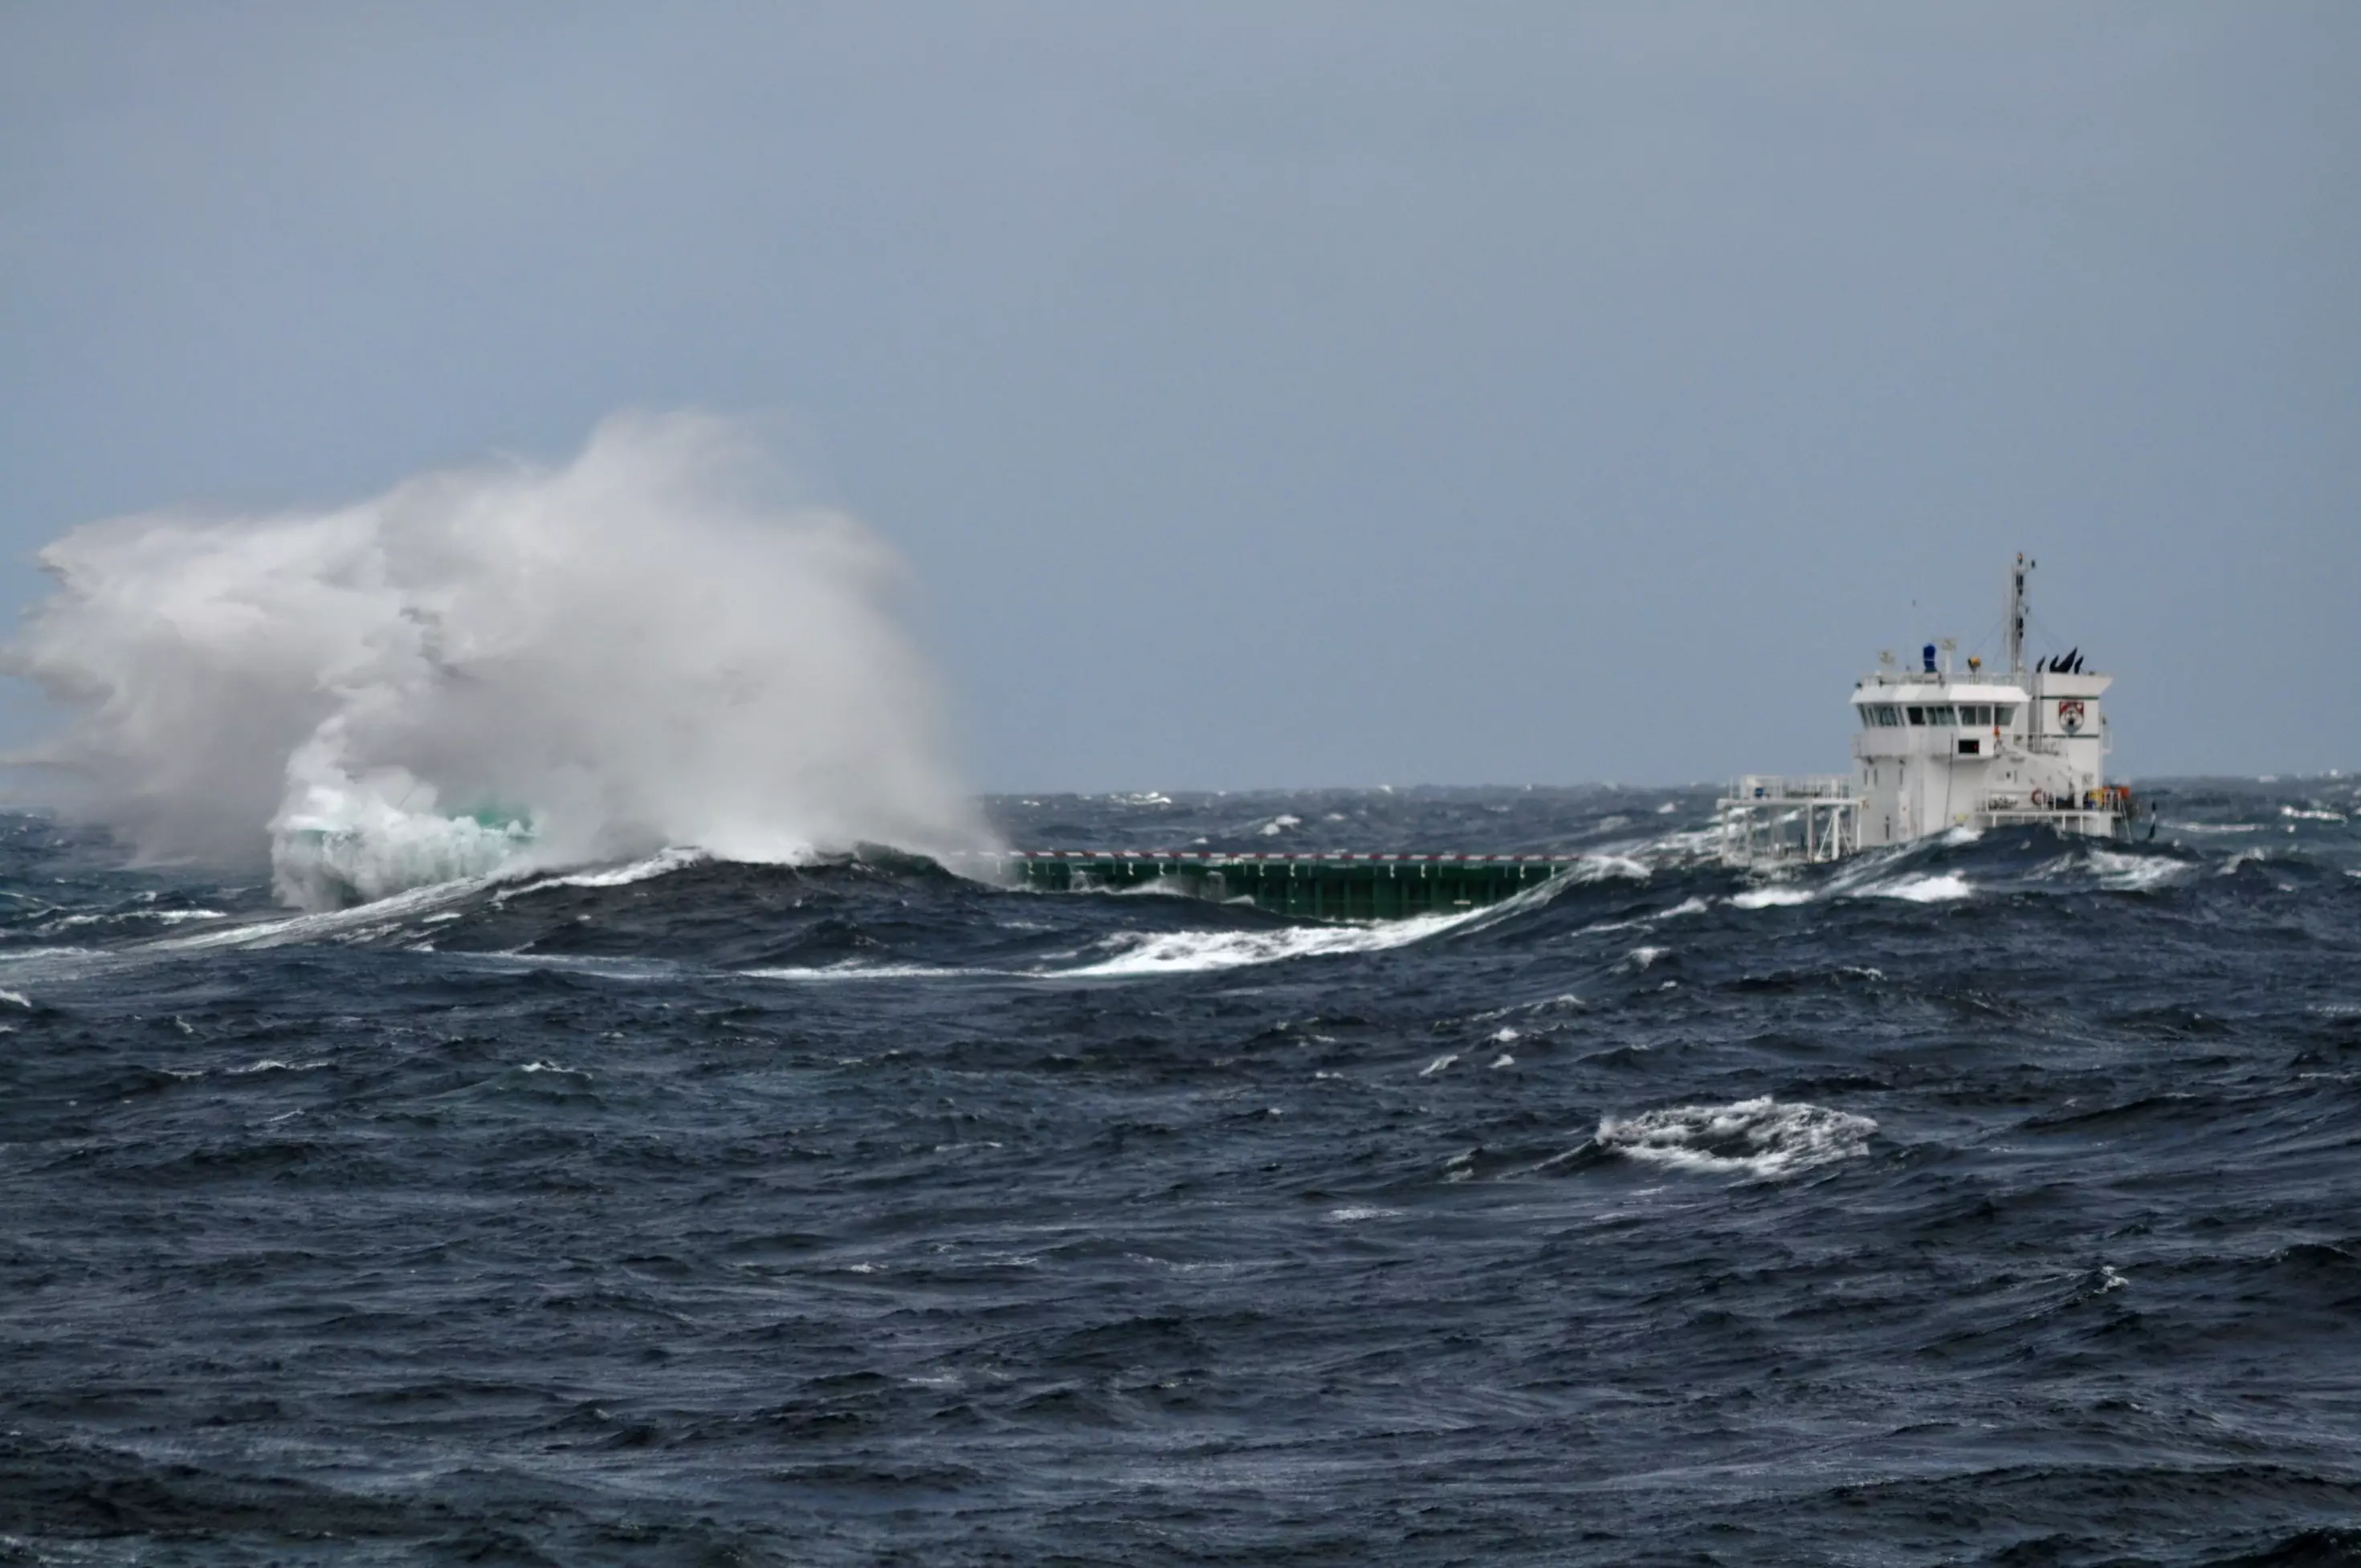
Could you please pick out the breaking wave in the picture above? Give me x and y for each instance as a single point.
(499, 666)
(1760, 1139)
(1935, 889)
(1185, 952)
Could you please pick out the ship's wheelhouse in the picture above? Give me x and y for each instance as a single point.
(1939, 749)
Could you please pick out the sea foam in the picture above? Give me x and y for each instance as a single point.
(1760, 1138)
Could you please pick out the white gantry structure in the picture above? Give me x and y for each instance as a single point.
(1941, 748)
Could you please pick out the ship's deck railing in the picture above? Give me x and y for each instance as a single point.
(2098, 824)
(1767, 818)
(1790, 786)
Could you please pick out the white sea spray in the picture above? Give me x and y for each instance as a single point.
(657, 643)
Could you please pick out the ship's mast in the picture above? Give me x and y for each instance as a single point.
(2016, 576)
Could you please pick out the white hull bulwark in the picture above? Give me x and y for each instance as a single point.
(1939, 749)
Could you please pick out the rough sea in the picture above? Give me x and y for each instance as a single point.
(1995, 1200)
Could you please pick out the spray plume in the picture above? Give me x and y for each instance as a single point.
(653, 646)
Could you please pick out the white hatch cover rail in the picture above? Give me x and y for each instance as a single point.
(1769, 818)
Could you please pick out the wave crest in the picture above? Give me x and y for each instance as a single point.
(1760, 1139)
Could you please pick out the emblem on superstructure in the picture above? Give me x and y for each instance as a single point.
(1939, 749)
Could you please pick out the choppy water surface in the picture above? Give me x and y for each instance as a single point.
(1994, 1200)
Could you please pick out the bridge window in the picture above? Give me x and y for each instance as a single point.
(1917, 715)
(1888, 715)
(1976, 713)
(1940, 714)
(2004, 715)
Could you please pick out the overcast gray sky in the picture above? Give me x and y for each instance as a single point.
(1285, 394)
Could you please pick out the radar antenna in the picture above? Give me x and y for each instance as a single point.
(2016, 613)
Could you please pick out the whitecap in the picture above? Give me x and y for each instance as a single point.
(161, 917)
(850, 970)
(382, 913)
(523, 960)
(1760, 1139)
(1189, 952)
(1771, 897)
(1603, 926)
(663, 863)
(2136, 873)
(1929, 889)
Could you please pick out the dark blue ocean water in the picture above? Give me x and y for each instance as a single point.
(1997, 1200)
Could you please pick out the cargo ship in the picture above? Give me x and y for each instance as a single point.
(1939, 748)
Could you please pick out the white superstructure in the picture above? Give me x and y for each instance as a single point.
(1941, 748)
